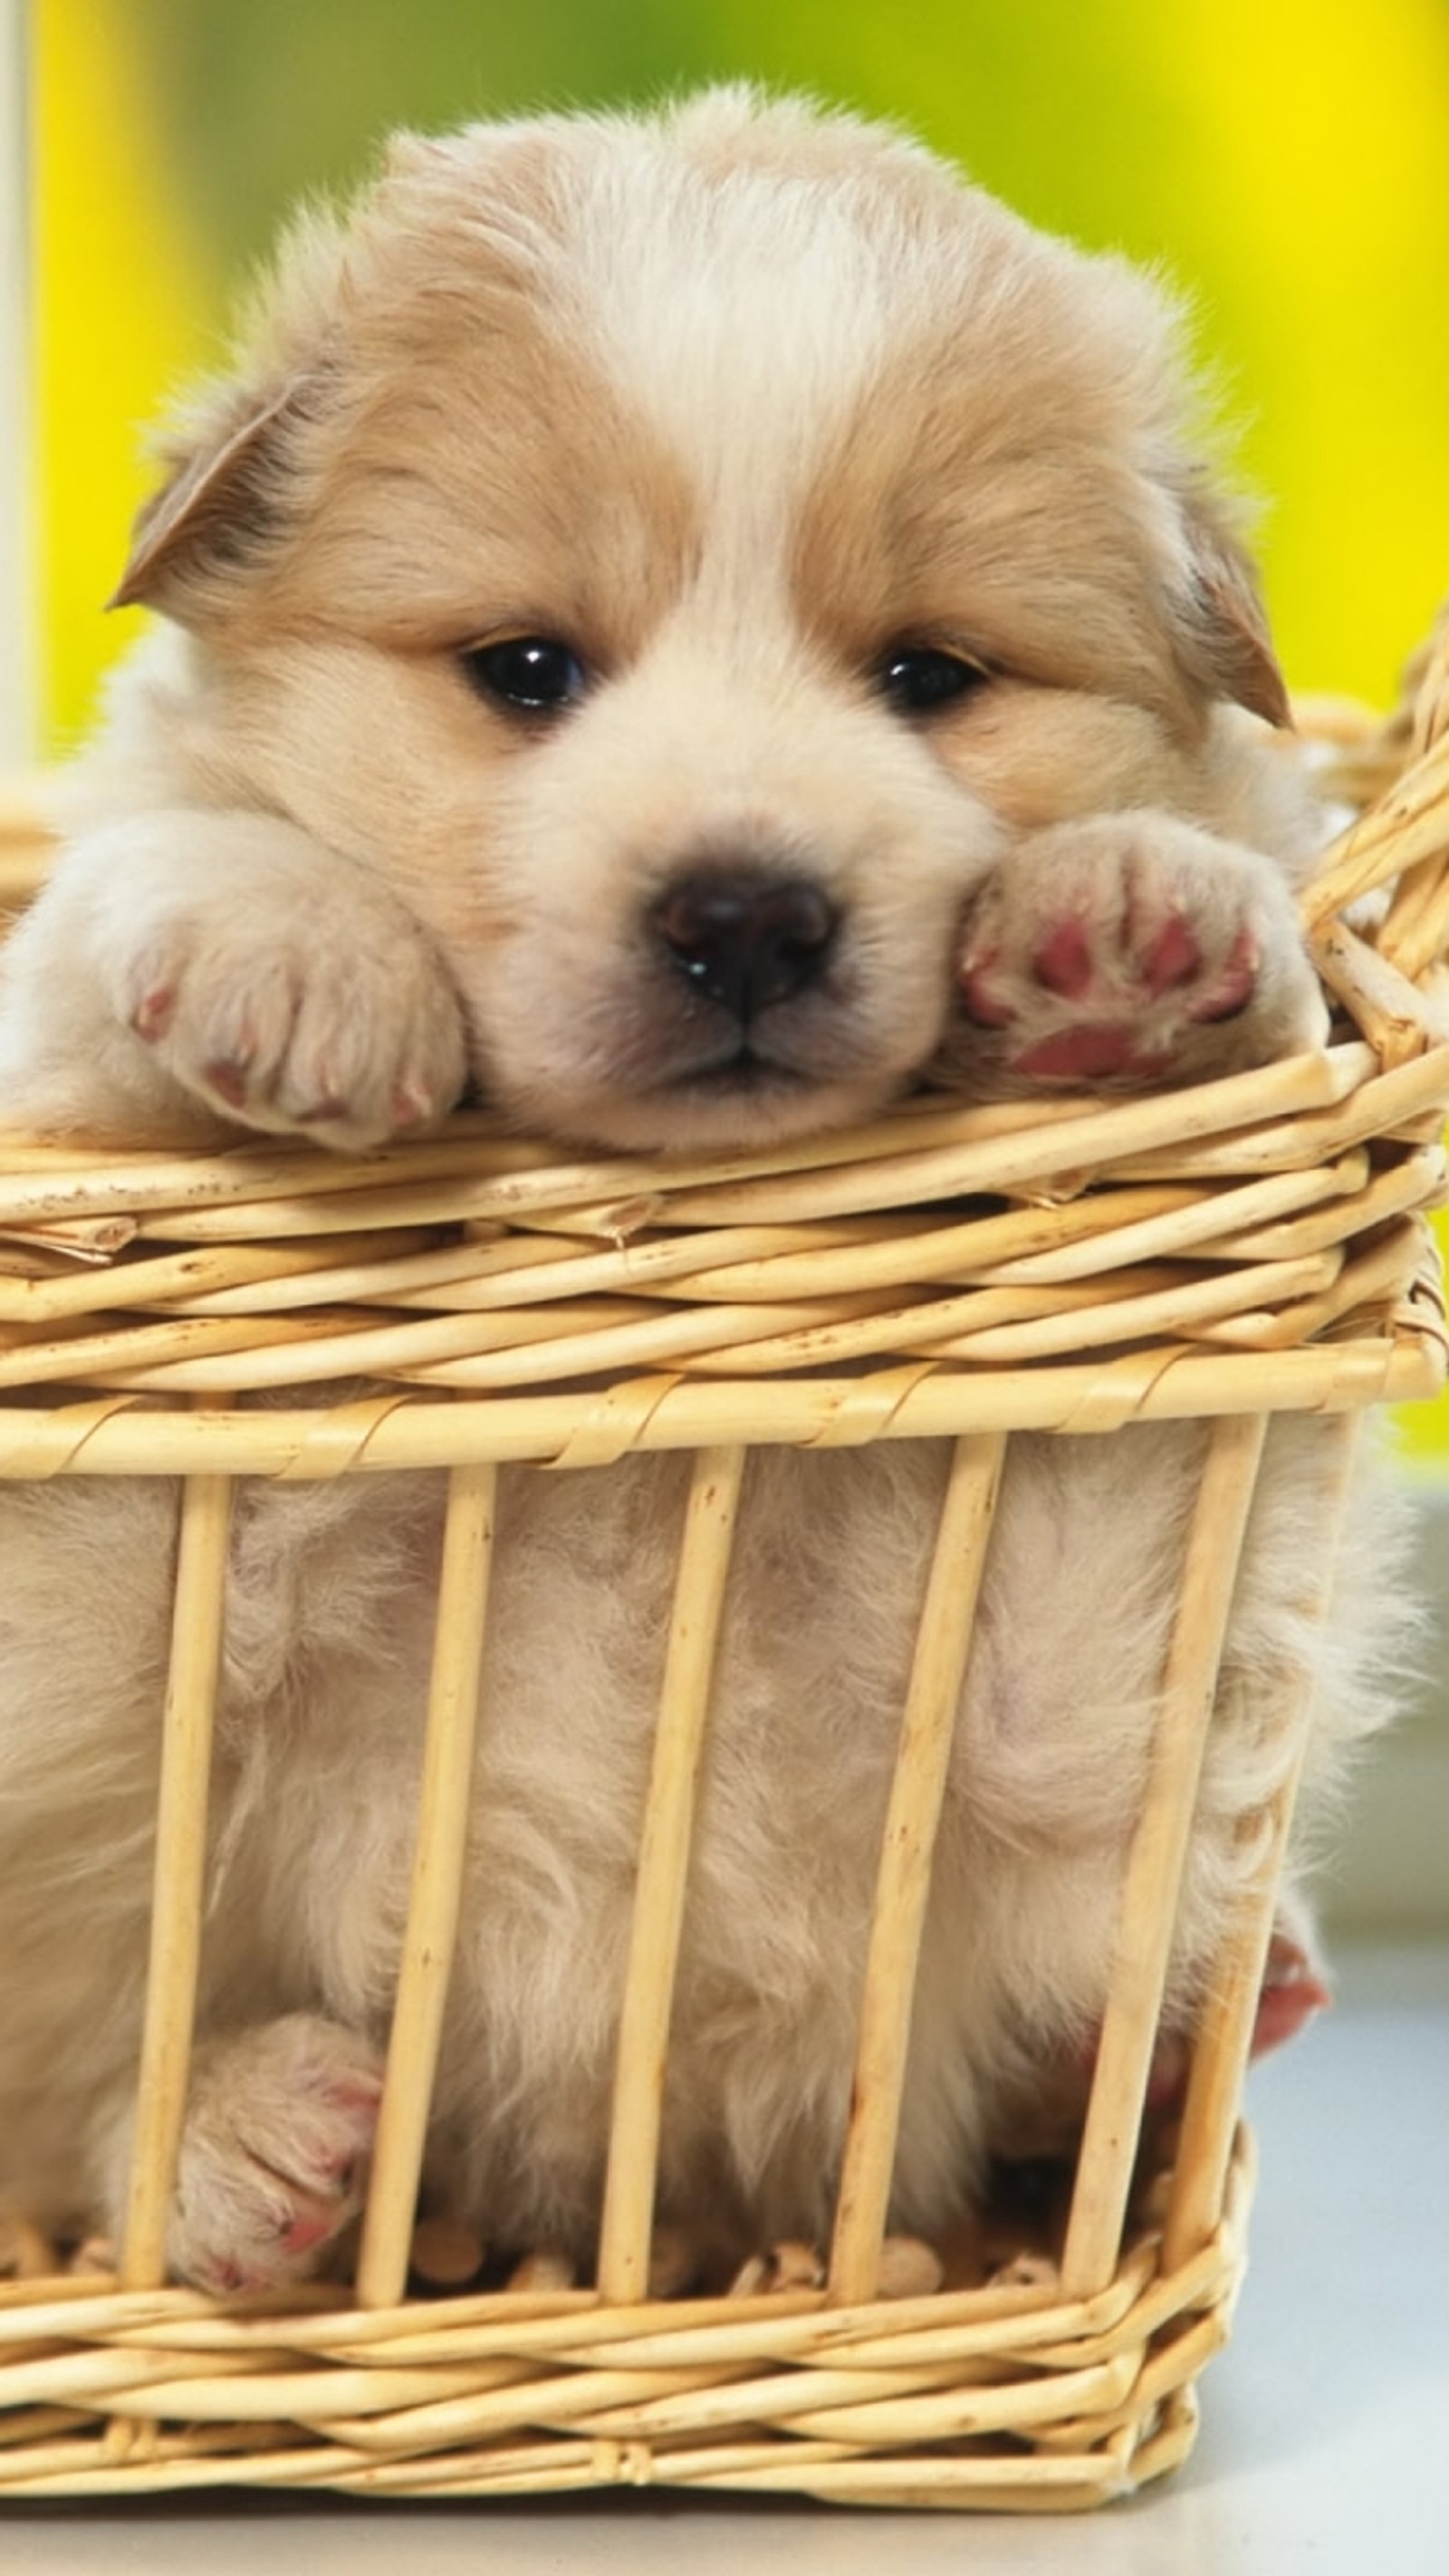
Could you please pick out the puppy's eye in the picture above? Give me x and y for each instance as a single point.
(533, 672)
(919, 679)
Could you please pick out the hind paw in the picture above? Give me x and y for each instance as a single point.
(274, 2156)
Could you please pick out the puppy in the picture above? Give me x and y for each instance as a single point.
(684, 628)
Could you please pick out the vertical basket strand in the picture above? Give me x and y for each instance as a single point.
(1224, 2042)
(663, 1868)
(180, 1873)
(903, 1884)
(432, 1924)
(1158, 1850)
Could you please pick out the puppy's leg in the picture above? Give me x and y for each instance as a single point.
(1128, 949)
(279, 2128)
(224, 966)
(1118, 951)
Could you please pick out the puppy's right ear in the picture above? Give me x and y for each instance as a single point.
(1223, 633)
(220, 512)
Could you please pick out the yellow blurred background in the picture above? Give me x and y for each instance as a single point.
(1285, 165)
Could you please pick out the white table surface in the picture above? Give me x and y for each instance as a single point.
(1325, 2441)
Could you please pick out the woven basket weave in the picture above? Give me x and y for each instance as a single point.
(1252, 1246)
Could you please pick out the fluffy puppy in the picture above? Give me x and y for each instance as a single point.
(682, 627)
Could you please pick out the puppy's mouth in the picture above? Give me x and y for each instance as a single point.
(691, 1071)
(745, 1010)
(744, 1079)
(741, 1076)
(657, 1095)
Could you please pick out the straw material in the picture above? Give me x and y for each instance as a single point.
(1252, 1246)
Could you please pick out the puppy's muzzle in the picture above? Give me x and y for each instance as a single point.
(746, 942)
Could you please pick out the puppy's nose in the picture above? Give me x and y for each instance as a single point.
(746, 941)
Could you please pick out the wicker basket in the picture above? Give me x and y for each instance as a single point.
(1253, 1246)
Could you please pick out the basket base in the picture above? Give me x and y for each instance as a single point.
(996, 2400)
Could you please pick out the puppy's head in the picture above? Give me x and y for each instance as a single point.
(678, 553)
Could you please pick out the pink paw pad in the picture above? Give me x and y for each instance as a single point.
(1292, 1992)
(1234, 988)
(154, 1013)
(1088, 999)
(1092, 1051)
(309, 2228)
(1064, 963)
(1173, 958)
(988, 1008)
(228, 1079)
(412, 1106)
(358, 2103)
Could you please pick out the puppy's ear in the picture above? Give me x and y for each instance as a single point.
(1223, 634)
(219, 510)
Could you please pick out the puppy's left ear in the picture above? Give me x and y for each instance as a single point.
(1223, 638)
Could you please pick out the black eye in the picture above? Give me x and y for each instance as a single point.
(918, 679)
(533, 672)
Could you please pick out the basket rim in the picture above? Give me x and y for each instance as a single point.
(1257, 1242)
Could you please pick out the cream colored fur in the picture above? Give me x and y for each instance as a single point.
(739, 401)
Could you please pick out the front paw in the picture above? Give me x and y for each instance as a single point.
(340, 1026)
(1130, 949)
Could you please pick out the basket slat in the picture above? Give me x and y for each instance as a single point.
(663, 1870)
(437, 1891)
(180, 1874)
(1224, 2039)
(1159, 1848)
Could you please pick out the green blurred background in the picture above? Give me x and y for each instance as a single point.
(1285, 163)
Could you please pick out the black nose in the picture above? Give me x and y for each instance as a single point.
(746, 941)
